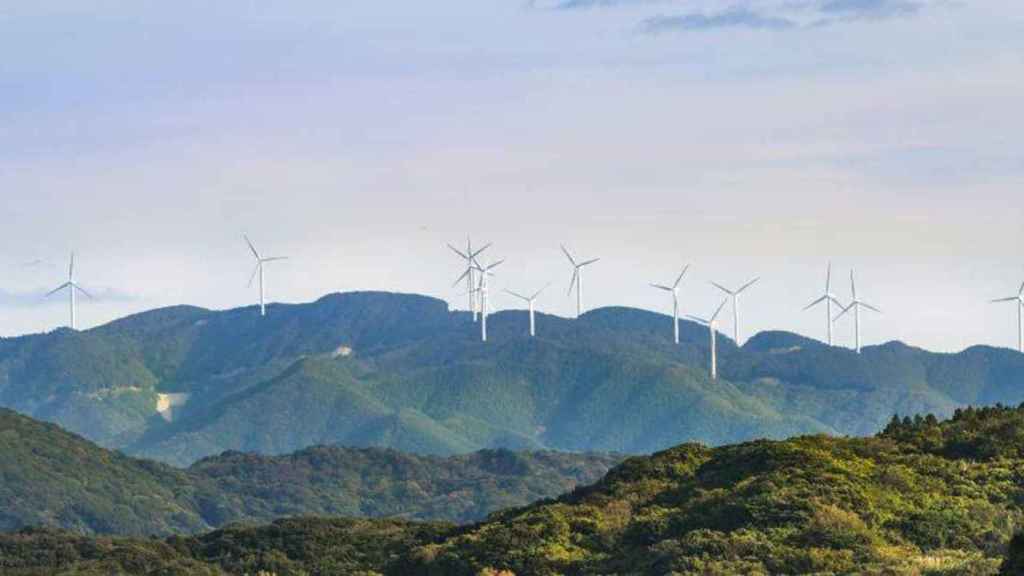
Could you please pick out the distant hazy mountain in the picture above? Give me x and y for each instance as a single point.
(49, 477)
(401, 371)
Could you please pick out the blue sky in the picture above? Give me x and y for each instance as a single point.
(747, 138)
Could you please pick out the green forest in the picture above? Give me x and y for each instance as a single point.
(925, 496)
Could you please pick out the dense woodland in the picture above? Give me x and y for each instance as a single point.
(925, 496)
(49, 477)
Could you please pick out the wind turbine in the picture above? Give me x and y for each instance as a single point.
(484, 272)
(470, 274)
(260, 261)
(577, 279)
(530, 301)
(828, 298)
(674, 290)
(735, 294)
(711, 324)
(856, 304)
(1019, 299)
(72, 286)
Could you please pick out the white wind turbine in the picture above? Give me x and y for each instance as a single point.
(674, 290)
(711, 323)
(577, 279)
(72, 287)
(470, 274)
(828, 298)
(856, 304)
(530, 301)
(735, 294)
(484, 272)
(260, 261)
(1019, 299)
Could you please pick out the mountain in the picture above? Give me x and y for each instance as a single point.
(402, 371)
(49, 477)
(924, 497)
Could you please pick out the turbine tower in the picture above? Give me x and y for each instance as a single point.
(856, 304)
(577, 279)
(72, 287)
(711, 323)
(260, 261)
(1019, 299)
(484, 272)
(828, 298)
(470, 274)
(674, 290)
(530, 301)
(735, 294)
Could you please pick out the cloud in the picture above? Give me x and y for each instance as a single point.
(733, 18)
(840, 11)
(584, 4)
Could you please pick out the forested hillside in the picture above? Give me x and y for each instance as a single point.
(49, 477)
(402, 371)
(923, 498)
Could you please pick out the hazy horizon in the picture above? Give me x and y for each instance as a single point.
(747, 138)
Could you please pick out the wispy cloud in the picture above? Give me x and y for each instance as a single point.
(734, 18)
(836, 11)
(765, 15)
(584, 4)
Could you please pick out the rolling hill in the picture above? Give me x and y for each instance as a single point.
(924, 497)
(402, 371)
(49, 477)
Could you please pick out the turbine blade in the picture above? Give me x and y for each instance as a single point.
(493, 266)
(1010, 299)
(1021, 291)
(870, 307)
(748, 284)
(722, 288)
(569, 256)
(719, 310)
(251, 247)
(462, 255)
(588, 262)
(661, 287)
(828, 278)
(537, 293)
(517, 295)
(853, 286)
(572, 283)
(681, 274)
(478, 252)
(461, 278)
(71, 267)
(57, 289)
(254, 272)
(816, 302)
(845, 310)
(274, 258)
(82, 290)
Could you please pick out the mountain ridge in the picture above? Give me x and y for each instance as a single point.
(384, 369)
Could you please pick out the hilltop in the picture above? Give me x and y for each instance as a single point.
(923, 497)
(49, 477)
(403, 371)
